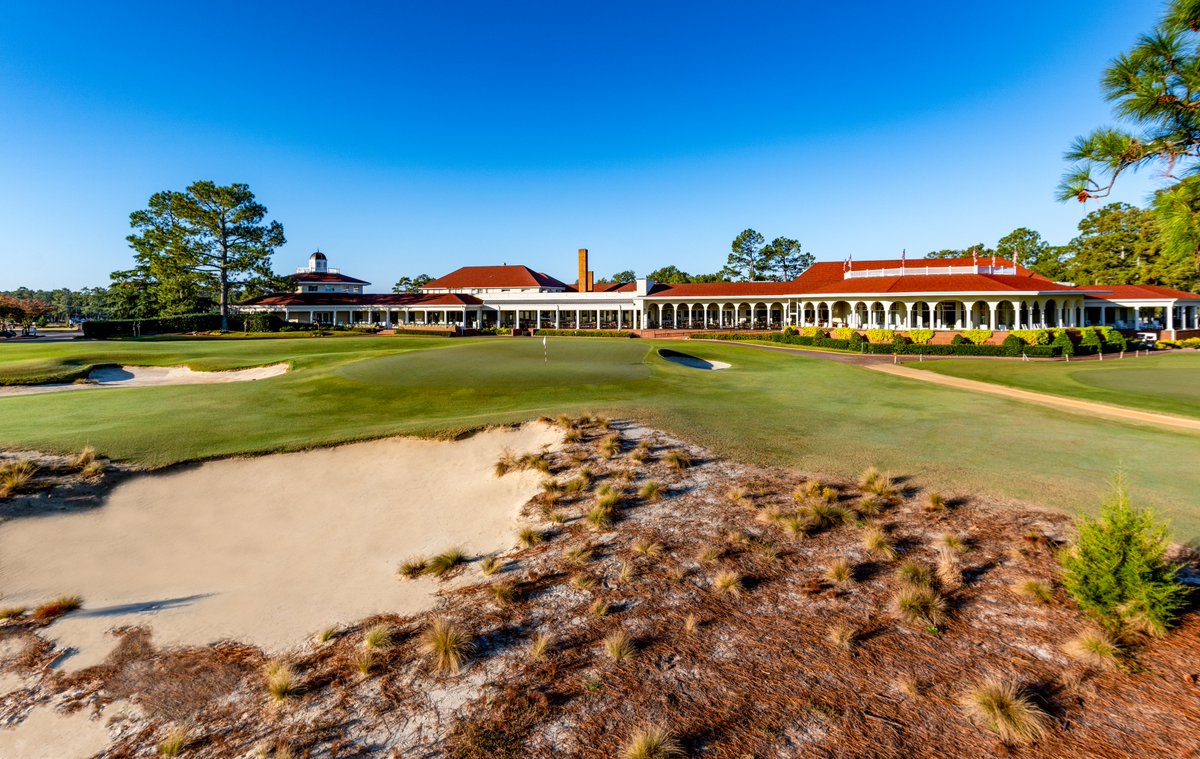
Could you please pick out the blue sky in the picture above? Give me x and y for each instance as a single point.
(412, 138)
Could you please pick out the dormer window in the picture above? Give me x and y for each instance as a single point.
(312, 288)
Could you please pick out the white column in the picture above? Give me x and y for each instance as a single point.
(1170, 309)
(994, 308)
(619, 323)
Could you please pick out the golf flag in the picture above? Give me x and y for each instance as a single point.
(903, 255)
(975, 256)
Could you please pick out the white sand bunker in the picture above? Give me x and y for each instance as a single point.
(49, 734)
(268, 550)
(694, 362)
(149, 376)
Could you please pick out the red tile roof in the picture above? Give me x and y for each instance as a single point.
(472, 277)
(723, 289)
(324, 276)
(368, 300)
(1147, 292)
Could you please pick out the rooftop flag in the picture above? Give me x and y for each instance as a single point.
(975, 256)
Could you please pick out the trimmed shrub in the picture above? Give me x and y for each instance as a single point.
(1062, 341)
(1117, 570)
(812, 332)
(790, 331)
(920, 336)
(1033, 336)
(101, 330)
(978, 336)
(843, 333)
(881, 335)
(1012, 345)
(582, 333)
(959, 340)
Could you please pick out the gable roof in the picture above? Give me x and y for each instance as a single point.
(472, 277)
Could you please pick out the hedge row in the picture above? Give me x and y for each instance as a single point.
(904, 348)
(581, 333)
(101, 330)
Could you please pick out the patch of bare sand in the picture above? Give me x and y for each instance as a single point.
(47, 733)
(268, 550)
(149, 376)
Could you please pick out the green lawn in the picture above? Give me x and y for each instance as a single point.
(1168, 381)
(769, 408)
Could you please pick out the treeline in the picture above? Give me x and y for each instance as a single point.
(751, 259)
(59, 305)
(1117, 244)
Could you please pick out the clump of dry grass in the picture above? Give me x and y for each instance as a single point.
(581, 581)
(84, 457)
(446, 644)
(326, 635)
(935, 502)
(529, 537)
(579, 554)
(52, 610)
(504, 593)
(769, 515)
(1033, 589)
(552, 485)
(600, 608)
(738, 496)
(364, 661)
(794, 524)
(600, 517)
(609, 497)
(1095, 647)
(843, 635)
(840, 570)
(539, 646)
(920, 606)
(610, 446)
(690, 624)
(16, 477)
(506, 463)
(729, 583)
(413, 568)
(175, 742)
(92, 471)
(618, 645)
(678, 459)
(870, 505)
(708, 554)
(12, 612)
(573, 435)
(826, 515)
(915, 574)
(652, 743)
(878, 544)
(948, 572)
(641, 453)
(767, 550)
(952, 542)
(651, 491)
(648, 548)
(281, 680)
(1006, 710)
(877, 483)
(444, 562)
(908, 685)
(379, 636)
(491, 565)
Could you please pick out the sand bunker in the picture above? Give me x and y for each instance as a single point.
(149, 376)
(268, 550)
(49, 734)
(694, 362)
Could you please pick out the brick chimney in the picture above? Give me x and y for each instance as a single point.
(585, 276)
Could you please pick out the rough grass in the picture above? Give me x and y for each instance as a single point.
(445, 562)
(652, 743)
(1095, 647)
(281, 680)
(446, 644)
(52, 610)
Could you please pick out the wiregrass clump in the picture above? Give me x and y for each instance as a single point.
(1035, 590)
(1007, 711)
(281, 680)
(1095, 647)
(678, 459)
(444, 562)
(843, 635)
(651, 491)
(652, 743)
(921, 606)
(728, 582)
(529, 537)
(618, 645)
(878, 544)
(411, 569)
(16, 477)
(52, 610)
(447, 645)
(840, 571)
(379, 636)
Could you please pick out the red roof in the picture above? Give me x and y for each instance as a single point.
(724, 289)
(472, 277)
(324, 276)
(369, 300)
(1147, 292)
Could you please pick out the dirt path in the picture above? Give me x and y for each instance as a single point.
(1091, 408)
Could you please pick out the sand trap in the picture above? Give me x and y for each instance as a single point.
(49, 734)
(268, 550)
(693, 362)
(149, 376)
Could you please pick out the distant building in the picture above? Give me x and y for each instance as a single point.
(985, 293)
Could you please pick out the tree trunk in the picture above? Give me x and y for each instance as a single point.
(224, 299)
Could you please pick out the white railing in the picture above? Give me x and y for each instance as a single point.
(306, 270)
(926, 271)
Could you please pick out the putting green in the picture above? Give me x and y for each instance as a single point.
(768, 408)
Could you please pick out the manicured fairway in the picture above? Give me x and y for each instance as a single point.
(1168, 382)
(772, 408)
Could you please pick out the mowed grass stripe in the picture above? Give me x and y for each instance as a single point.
(769, 408)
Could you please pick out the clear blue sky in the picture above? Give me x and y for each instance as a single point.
(416, 137)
